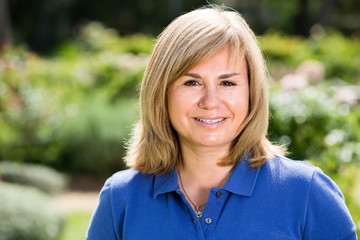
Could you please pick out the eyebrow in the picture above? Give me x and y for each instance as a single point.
(222, 76)
(228, 75)
(193, 75)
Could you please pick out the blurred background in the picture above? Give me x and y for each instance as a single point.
(69, 75)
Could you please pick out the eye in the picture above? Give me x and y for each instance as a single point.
(191, 83)
(228, 83)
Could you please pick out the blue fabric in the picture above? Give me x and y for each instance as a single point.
(283, 199)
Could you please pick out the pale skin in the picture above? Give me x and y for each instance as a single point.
(206, 107)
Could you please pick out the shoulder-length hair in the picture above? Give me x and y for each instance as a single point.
(154, 146)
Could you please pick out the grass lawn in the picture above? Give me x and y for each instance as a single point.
(76, 225)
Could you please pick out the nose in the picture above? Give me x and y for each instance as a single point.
(209, 99)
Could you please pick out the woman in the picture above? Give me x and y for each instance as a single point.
(201, 166)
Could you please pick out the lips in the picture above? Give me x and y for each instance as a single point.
(210, 121)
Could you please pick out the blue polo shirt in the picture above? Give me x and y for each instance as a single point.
(283, 199)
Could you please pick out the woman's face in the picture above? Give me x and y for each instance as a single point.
(208, 104)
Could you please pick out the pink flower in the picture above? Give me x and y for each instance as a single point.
(312, 69)
(347, 95)
(293, 81)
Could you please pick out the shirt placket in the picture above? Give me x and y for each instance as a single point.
(194, 227)
(212, 212)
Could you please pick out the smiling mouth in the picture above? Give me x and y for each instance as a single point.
(208, 121)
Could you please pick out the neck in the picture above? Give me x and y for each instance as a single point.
(200, 165)
(200, 171)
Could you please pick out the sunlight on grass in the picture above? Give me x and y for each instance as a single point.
(76, 225)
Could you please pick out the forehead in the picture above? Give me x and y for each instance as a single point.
(224, 60)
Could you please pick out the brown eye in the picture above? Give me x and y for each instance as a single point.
(191, 83)
(227, 83)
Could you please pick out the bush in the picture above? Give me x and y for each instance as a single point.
(339, 54)
(94, 37)
(41, 177)
(314, 116)
(74, 110)
(96, 137)
(27, 214)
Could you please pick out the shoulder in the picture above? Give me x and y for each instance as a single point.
(127, 182)
(128, 177)
(291, 164)
(117, 192)
(326, 215)
(282, 168)
(286, 170)
(297, 178)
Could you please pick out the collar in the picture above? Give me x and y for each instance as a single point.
(243, 179)
(166, 183)
(241, 182)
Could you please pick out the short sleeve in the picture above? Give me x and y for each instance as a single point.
(327, 216)
(102, 223)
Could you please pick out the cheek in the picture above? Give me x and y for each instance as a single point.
(180, 101)
(175, 106)
(239, 101)
(240, 108)
(181, 107)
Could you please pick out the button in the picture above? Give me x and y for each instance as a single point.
(208, 220)
(218, 194)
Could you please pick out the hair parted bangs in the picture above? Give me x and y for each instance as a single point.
(188, 40)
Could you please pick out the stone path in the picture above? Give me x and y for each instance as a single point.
(82, 195)
(74, 201)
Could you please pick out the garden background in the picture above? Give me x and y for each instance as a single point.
(69, 74)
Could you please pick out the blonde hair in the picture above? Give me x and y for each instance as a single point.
(154, 147)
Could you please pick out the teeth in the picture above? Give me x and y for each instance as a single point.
(210, 121)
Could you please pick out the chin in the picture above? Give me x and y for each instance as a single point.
(213, 143)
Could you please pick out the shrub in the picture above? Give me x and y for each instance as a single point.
(314, 116)
(52, 110)
(96, 137)
(27, 214)
(95, 37)
(39, 176)
(339, 54)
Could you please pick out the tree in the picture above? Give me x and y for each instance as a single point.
(5, 26)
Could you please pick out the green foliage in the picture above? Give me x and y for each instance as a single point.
(27, 214)
(288, 49)
(339, 54)
(97, 135)
(30, 117)
(95, 37)
(75, 110)
(39, 176)
(283, 14)
(312, 115)
(76, 225)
